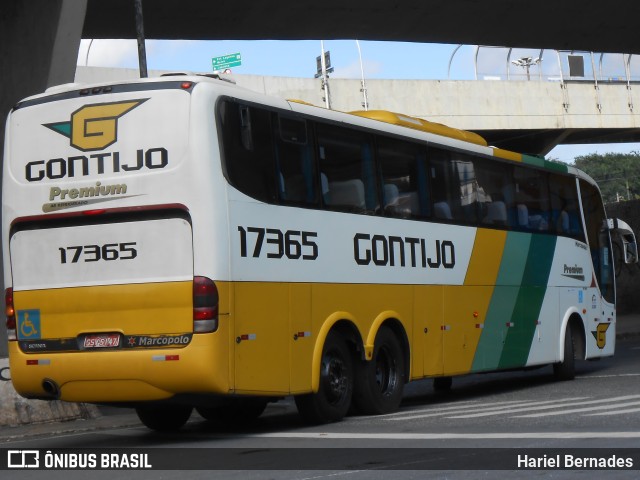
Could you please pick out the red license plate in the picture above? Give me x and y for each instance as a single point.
(108, 340)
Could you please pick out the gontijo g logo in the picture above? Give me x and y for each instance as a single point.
(94, 127)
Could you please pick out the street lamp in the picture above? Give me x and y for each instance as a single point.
(526, 63)
(324, 68)
(365, 103)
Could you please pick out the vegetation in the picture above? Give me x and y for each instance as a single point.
(617, 174)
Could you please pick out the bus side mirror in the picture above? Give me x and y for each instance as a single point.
(629, 244)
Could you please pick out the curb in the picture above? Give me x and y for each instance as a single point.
(16, 410)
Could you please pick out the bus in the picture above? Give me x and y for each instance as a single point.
(182, 243)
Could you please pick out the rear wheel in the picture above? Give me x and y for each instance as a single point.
(333, 398)
(239, 411)
(379, 383)
(566, 369)
(164, 418)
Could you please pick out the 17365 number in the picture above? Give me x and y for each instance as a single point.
(95, 253)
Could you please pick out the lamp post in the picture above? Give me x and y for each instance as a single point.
(86, 58)
(526, 63)
(324, 68)
(365, 102)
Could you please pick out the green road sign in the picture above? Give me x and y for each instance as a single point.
(226, 61)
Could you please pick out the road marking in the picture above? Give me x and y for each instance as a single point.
(609, 376)
(450, 406)
(549, 407)
(617, 412)
(445, 436)
(495, 410)
(579, 410)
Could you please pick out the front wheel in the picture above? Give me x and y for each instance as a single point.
(164, 418)
(331, 402)
(566, 370)
(379, 383)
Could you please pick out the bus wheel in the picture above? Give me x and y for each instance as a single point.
(240, 411)
(379, 383)
(164, 418)
(332, 401)
(566, 370)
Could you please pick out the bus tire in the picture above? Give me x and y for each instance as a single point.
(239, 411)
(332, 401)
(566, 369)
(164, 418)
(379, 383)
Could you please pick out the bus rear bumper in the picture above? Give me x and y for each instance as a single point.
(122, 376)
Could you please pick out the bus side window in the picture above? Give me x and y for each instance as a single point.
(442, 184)
(247, 150)
(494, 192)
(468, 202)
(404, 179)
(454, 184)
(531, 200)
(565, 214)
(346, 162)
(295, 162)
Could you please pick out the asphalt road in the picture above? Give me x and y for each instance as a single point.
(484, 423)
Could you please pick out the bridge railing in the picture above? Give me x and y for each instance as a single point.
(504, 63)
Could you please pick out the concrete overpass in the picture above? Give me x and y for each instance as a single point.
(524, 116)
(41, 38)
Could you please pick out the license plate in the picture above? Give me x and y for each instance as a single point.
(107, 340)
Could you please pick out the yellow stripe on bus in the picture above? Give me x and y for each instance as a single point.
(507, 154)
(466, 306)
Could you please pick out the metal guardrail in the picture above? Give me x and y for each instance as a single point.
(570, 69)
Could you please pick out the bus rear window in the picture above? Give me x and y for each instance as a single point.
(248, 150)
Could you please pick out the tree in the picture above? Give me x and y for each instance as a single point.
(617, 174)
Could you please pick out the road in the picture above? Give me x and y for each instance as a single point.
(485, 418)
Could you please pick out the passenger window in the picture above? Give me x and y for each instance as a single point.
(565, 209)
(455, 187)
(347, 173)
(405, 191)
(295, 163)
(247, 150)
(442, 184)
(531, 198)
(495, 193)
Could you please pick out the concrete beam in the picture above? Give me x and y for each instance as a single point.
(528, 117)
(591, 25)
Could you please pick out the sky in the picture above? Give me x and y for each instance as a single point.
(380, 60)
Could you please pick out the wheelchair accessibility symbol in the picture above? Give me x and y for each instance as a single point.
(29, 324)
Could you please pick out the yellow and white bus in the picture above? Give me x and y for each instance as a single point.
(181, 242)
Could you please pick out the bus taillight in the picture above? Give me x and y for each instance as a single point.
(11, 314)
(205, 305)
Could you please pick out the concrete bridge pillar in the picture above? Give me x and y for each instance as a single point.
(40, 41)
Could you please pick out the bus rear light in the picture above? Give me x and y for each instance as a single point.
(10, 313)
(205, 305)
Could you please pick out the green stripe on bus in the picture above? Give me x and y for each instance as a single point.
(503, 302)
(541, 162)
(528, 305)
